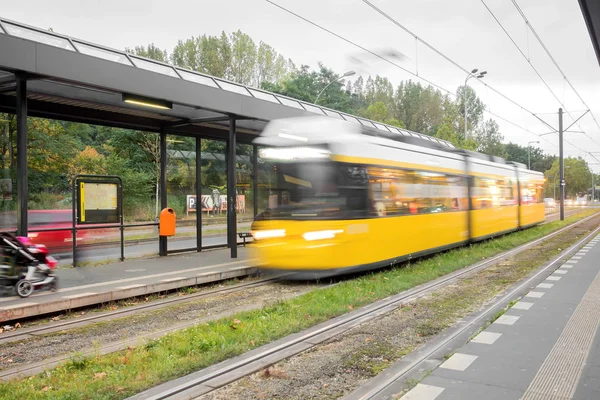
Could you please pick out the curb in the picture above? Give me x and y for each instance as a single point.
(30, 309)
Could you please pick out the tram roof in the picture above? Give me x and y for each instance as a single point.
(71, 79)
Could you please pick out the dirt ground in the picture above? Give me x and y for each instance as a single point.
(340, 365)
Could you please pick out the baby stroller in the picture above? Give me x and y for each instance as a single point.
(24, 266)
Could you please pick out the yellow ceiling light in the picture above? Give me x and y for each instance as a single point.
(147, 102)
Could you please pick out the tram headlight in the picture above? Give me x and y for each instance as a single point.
(268, 234)
(320, 235)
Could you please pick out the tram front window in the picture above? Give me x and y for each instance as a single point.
(317, 190)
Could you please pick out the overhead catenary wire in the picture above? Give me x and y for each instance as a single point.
(404, 28)
(540, 41)
(412, 73)
(360, 47)
(535, 69)
(445, 57)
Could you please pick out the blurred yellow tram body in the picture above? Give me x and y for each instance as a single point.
(345, 198)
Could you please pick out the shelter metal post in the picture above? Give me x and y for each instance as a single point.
(22, 175)
(561, 165)
(231, 194)
(255, 179)
(162, 241)
(198, 194)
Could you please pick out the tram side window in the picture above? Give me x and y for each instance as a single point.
(353, 185)
(532, 193)
(459, 195)
(489, 193)
(400, 192)
(385, 186)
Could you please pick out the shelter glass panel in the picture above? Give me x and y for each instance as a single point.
(350, 118)
(333, 114)
(37, 36)
(380, 126)
(231, 87)
(155, 67)
(214, 192)
(263, 96)
(201, 79)
(289, 102)
(367, 123)
(244, 187)
(8, 167)
(267, 184)
(103, 53)
(181, 188)
(314, 109)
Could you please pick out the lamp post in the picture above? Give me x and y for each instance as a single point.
(469, 76)
(349, 73)
(529, 153)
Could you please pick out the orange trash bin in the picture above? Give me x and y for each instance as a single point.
(166, 225)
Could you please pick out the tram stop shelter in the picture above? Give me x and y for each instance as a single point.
(591, 14)
(48, 75)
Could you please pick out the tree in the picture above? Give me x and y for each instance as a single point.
(377, 112)
(270, 66)
(151, 51)
(489, 139)
(539, 161)
(447, 132)
(466, 96)
(186, 54)
(421, 109)
(578, 177)
(88, 161)
(243, 58)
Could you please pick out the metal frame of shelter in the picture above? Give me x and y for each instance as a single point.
(48, 75)
(591, 14)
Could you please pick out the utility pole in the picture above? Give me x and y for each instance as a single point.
(561, 165)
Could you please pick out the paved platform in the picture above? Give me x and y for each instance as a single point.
(84, 286)
(546, 346)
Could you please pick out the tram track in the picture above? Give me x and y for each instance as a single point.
(29, 369)
(226, 372)
(386, 386)
(25, 333)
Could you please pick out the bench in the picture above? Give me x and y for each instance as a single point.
(244, 235)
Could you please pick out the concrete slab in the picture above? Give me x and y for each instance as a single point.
(506, 367)
(85, 286)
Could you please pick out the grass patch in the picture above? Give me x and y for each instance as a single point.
(122, 374)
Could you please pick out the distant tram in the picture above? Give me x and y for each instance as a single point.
(347, 198)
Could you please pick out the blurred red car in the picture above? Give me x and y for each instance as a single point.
(57, 240)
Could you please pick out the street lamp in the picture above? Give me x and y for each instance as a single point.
(349, 73)
(469, 76)
(529, 153)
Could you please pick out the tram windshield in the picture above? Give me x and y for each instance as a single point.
(318, 190)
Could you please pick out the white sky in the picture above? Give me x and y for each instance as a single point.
(461, 29)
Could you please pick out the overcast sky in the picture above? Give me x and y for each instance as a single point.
(461, 29)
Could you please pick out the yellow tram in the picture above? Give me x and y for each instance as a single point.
(346, 198)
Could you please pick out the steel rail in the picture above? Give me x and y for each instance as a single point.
(25, 333)
(255, 360)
